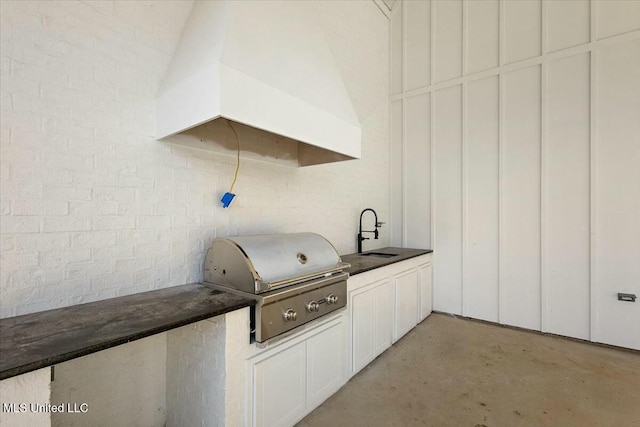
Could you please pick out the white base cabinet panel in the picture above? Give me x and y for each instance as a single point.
(291, 379)
(425, 288)
(279, 383)
(371, 319)
(406, 303)
(385, 304)
(325, 365)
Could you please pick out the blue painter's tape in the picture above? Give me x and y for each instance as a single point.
(227, 199)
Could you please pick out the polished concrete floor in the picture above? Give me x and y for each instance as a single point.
(450, 371)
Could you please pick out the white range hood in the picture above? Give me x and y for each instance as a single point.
(263, 64)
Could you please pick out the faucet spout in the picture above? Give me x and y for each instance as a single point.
(360, 238)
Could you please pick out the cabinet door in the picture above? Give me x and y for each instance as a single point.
(424, 277)
(371, 323)
(406, 302)
(325, 364)
(279, 387)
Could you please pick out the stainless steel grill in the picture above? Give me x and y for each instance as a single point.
(295, 278)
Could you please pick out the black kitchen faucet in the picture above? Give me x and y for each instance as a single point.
(374, 231)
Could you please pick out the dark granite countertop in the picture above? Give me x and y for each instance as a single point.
(361, 262)
(38, 340)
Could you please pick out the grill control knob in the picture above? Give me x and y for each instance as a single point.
(289, 315)
(332, 299)
(313, 306)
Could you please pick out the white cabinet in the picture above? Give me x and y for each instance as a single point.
(406, 303)
(291, 379)
(371, 319)
(279, 387)
(425, 290)
(385, 304)
(325, 365)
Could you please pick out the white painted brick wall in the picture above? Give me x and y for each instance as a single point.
(236, 353)
(206, 371)
(196, 374)
(123, 386)
(81, 170)
(29, 388)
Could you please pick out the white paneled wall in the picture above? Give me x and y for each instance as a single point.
(568, 24)
(447, 196)
(396, 171)
(446, 21)
(566, 200)
(482, 35)
(521, 24)
(616, 192)
(519, 186)
(481, 182)
(124, 384)
(418, 13)
(526, 115)
(416, 198)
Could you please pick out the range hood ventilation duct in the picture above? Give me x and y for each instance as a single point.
(265, 65)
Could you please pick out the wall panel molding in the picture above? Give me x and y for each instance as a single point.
(544, 96)
(529, 161)
(551, 56)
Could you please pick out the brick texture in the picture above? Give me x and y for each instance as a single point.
(196, 373)
(122, 386)
(82, 174)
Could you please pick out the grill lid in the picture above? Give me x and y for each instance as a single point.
(263, 262)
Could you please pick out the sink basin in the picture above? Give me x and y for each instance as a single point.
(379, 255)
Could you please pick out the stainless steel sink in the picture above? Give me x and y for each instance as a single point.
(379, 255)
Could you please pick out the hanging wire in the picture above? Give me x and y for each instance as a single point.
(235, 175)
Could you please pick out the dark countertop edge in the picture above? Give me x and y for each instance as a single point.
(104, 345)
(403, 255)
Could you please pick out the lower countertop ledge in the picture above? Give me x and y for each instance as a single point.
(37, 340)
